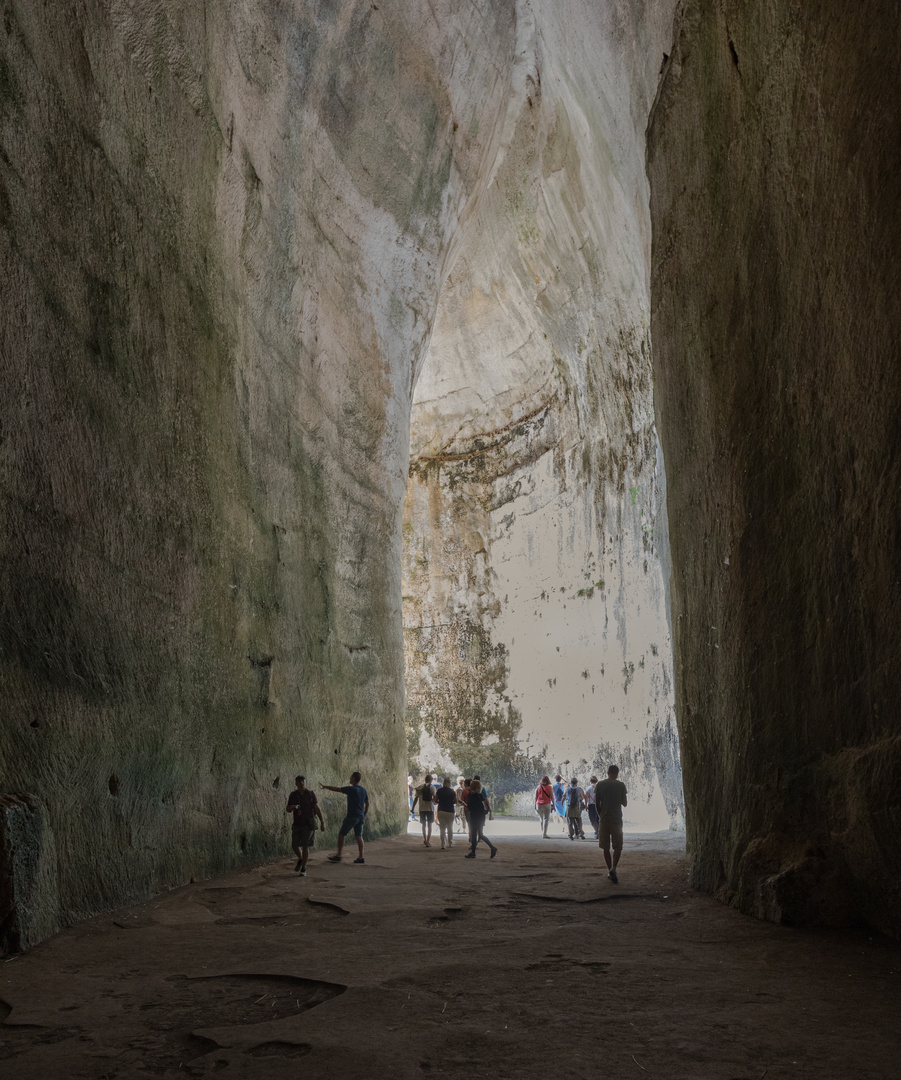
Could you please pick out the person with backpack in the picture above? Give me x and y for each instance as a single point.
(575, 798)
(479, 808)
(544, 803)
(559, 797)
(424, 796)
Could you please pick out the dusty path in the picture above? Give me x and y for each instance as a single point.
(423, 964)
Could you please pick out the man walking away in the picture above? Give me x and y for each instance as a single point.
(479, 807)
(467, 787)
(574, 802)
(610, 798)
(446, 801)
(357, 809)
(590, 803)
(425, 797)
(305, 807)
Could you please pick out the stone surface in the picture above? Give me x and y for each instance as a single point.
(222, 235)
(28, 874)
(231, 238)
(773, 161)
(534, 594)
(449, 966)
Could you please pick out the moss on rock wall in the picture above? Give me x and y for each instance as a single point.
(220, 235)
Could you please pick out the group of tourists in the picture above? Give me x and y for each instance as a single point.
(603, 799)
(468, 803)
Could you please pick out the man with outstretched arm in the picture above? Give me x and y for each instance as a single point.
(357, 809)
(305, 806)
(610, 798)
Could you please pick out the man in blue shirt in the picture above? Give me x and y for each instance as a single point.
(357, 809)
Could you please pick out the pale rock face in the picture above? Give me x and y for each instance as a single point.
(235, 236)
(534, 590)
(223, 231)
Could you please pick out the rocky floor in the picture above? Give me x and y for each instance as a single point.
(422, 964)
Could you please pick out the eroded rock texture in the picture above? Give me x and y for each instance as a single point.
(534, 599)
(774, 168)
(222, 234)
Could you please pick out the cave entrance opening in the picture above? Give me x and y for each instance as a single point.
(535, 625)
(535, 557)
(535, 548)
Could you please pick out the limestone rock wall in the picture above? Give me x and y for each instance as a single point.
(773, 161)
(534, 591)
(221, 235)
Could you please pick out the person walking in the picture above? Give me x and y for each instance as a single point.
(461, 807)
(574, 802)
(479, 808)
(302, 802)
(424, 797)
(544, 803)
(590, 804)
(559, 795)
(446, 800)
(467, 787)
(357, 809)
(610, 798)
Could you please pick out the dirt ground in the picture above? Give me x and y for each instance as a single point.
(425, 964)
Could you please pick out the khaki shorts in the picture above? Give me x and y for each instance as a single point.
(611, 832)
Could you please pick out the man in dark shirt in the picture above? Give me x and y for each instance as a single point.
(305, 807)
(610, 798)
(357, 809)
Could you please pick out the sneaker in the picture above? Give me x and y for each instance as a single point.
(303, 871)
(613, 877)
(334, 858)
(471, 855)
(493, 852)
(360, 860)
(298, 865)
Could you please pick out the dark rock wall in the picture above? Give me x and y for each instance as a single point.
(775, 165)
(220, 230)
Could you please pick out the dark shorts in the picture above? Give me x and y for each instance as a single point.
(426, 815)
(611, 832)
(352, 821)
(303, 834)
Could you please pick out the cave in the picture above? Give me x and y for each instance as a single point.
(343, 337)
